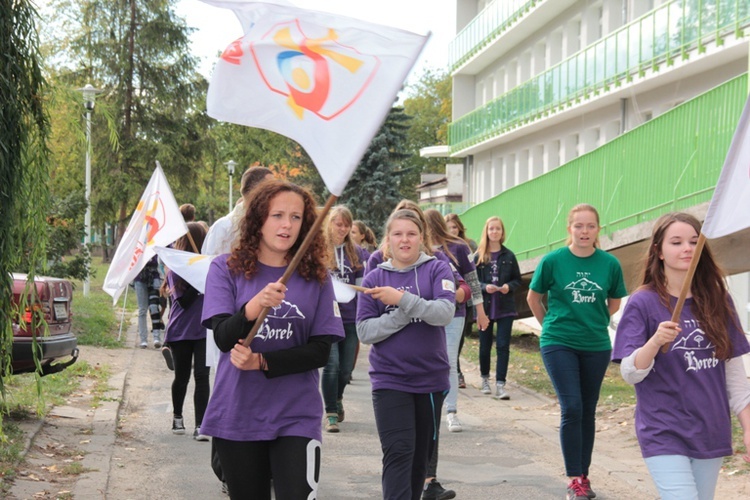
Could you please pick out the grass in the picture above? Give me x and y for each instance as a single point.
(95, 321)
(526, 368)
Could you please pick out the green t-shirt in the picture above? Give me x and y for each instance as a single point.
(577, 291)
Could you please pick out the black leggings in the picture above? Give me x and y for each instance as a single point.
(293, 462)
(187, 355)
(407, 425)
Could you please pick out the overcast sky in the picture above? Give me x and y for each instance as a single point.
(216, 27)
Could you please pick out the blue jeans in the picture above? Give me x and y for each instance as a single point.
(453, 332)
(577, 377)
(678, 477)
(502, 346)
(338, 370)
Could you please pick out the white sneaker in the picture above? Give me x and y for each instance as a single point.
(486, 386)
(500, 392)
(143, 345)
(454, 425)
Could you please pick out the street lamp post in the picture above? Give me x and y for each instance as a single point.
(89, 95)
(230, 168)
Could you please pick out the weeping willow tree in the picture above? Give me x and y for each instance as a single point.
(24, 128)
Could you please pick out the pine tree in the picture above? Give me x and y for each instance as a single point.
(374, 188)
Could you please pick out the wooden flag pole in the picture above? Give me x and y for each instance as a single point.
(687, 283)
(294, 263)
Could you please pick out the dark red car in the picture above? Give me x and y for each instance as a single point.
(53, 297)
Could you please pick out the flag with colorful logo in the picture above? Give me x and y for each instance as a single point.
(729, 210)
(157, 221)
(324, 80)
(192, 267)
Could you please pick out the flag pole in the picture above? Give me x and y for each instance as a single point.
(294, 263)
(192, 242)
(687, 283)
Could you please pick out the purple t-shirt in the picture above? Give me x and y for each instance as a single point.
(184, 324)
(414, 359)
(464, 265)
(245, 405)
(347, 274)
(682, 406)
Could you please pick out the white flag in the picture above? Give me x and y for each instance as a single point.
(192, 267)
(729, 210)
(324, 80)
(157, 221)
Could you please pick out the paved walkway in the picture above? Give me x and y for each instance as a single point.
(508, 449)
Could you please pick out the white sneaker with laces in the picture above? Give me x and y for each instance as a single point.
(486, 386)
(454, 425)
(500, 392)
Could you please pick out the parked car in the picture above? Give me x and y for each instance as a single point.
(53, 296)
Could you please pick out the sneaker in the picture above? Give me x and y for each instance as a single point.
(454, 425)
(576, 490)
(332, 422)
(178, 426)
(198, 436)
(486, 386)
(157, 344)
(461, 381)
(434, 491)
(500, 392)
(587, 486)
(144, 344)
(340, 410)
(167, 353)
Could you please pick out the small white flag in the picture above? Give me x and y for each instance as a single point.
(343, 292)
(157, 221)
(192, 267)
(324, 80)
(729, 210)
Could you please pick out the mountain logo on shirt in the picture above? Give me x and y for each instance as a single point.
(583, 285)
(284, 311)
(694, 347)
(583, 291)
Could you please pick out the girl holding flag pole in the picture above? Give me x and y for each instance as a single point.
(266, 408)
(684, 395)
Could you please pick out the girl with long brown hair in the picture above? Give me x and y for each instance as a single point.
(684, 395)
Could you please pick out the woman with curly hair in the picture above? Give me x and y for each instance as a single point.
(266, 408)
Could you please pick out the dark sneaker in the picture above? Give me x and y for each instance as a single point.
(587, 486)
(178, 426)
(461, 381)
(576, 491)
(167, 353)
(340, 410)
(434, 491)
(198, 436)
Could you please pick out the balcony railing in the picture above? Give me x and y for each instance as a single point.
(669, 163)
(494, 19)
(659, 37)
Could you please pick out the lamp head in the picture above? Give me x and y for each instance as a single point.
(89, 96)
(230, 166)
